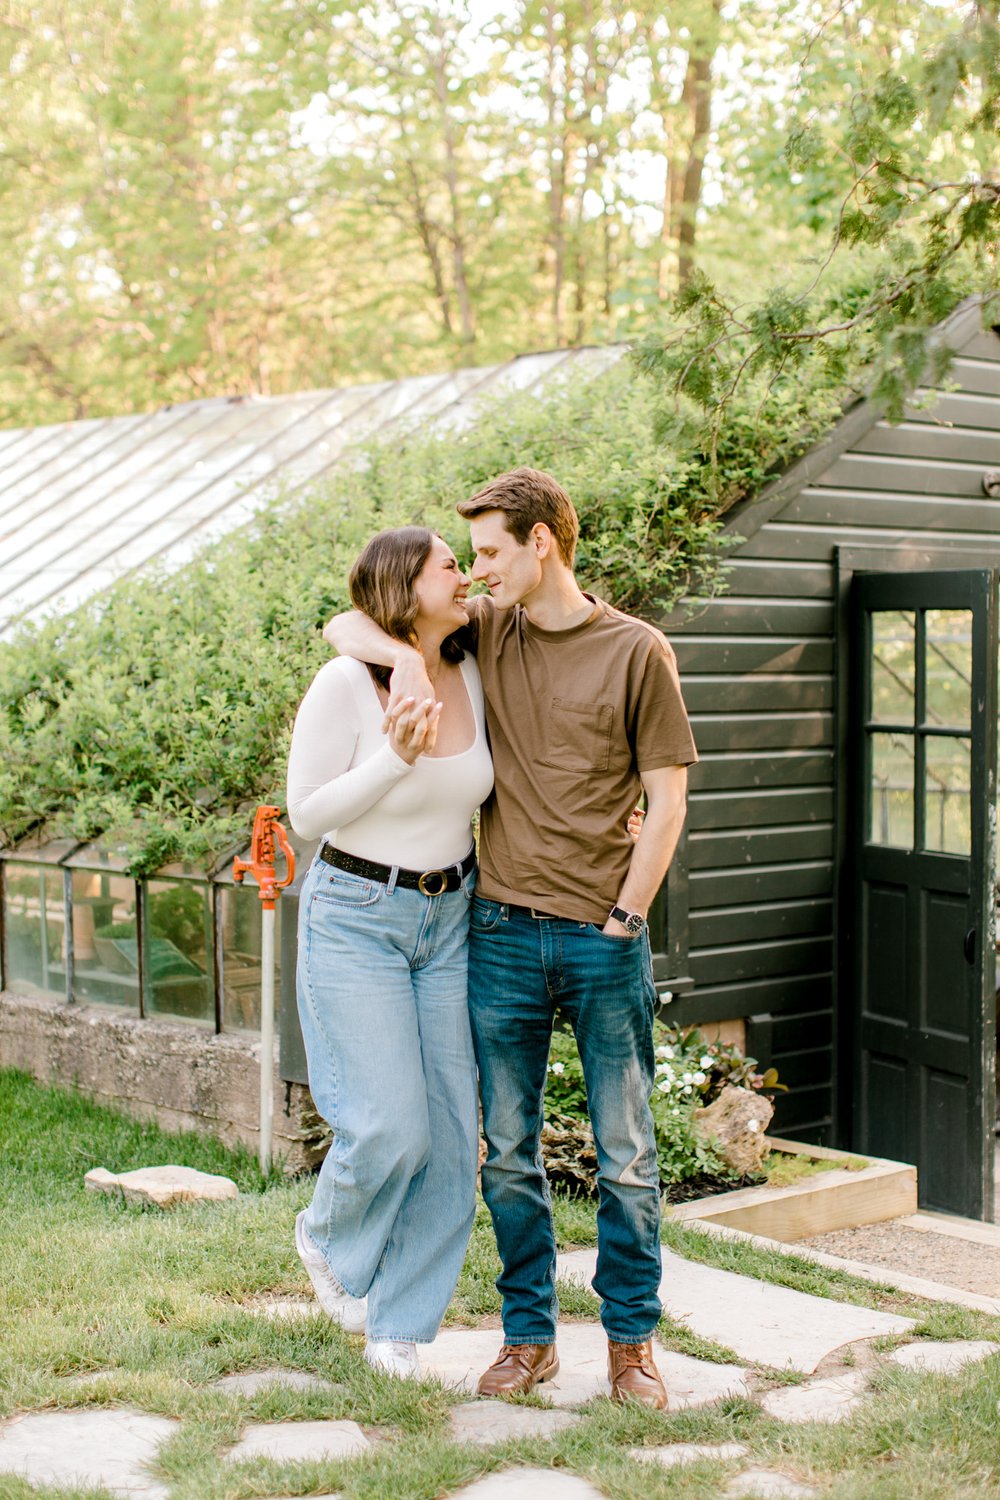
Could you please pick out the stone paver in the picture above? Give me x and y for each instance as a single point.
(830, 1399)
(483, 1423)
(295, 1442)
(107, 1448)
(164, 1186)
(283, 1307)
(529, 1484)
(943, 1358)
(768, 1482)
(688, 1453)
(253, 1381)
(758, 1321)
(459, 1355)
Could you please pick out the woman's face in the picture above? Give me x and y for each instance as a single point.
(440, 587)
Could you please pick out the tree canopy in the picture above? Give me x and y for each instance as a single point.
(267, 195)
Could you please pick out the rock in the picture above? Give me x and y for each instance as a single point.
(736, 1122)
(830, 1399)
(300, 1442)
(483, 1423)
(163, 1186)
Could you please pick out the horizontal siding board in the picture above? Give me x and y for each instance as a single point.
(979, 375)
(808, 1069)
(983, 344)
(804, 539)
(776, 731)
(848, 507)
(707, 851)
(779, 581)
(743, 924)
(760, 960)
(715, 773)
(932, 441)
(767, 808)
(793, 1033)
(758, 693)
(724, 885)
(961, 409)
(802, 1111)
(787, 993)
(696, 653)
(734, 616)
(904, 473)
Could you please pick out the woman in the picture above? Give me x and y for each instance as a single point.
(382, 956)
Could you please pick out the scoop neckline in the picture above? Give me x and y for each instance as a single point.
(430, 759)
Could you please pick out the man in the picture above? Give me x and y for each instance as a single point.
(583, 707)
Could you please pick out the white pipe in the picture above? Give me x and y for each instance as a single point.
(266, 1036)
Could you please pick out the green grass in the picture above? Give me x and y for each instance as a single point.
(150, 1307)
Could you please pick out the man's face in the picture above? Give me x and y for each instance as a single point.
(511, 569)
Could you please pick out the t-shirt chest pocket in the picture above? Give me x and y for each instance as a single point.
(579, 735)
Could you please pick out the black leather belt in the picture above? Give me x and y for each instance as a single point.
(427, 882)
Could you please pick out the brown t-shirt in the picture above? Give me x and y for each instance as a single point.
(573, 717)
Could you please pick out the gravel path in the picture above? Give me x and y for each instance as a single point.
(917, 1252)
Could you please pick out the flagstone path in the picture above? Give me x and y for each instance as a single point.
(769, 1327)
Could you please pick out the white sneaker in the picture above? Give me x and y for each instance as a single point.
(350, 1312)
(393, 1357)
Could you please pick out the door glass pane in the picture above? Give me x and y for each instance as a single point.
(949, 667)
(35, 917)
(105, 941)
(893, 665)
(890, 812)
(179, 963)
(948, 792)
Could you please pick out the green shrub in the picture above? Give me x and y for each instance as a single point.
(160, 714)
(690, 1073)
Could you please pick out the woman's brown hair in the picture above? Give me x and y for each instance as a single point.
(381, 587)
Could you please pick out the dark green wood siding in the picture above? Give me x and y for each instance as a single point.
(758, 672)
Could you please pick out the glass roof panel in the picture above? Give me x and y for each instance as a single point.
(89, 501)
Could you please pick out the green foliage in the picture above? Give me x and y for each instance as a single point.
(160, 714)
(901, 163)
(690, 1073)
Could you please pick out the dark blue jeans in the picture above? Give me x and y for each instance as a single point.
(522, 969)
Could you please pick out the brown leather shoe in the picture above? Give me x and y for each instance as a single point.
(518, 1368)
(634, 1376)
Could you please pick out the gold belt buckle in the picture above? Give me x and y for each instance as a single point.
(441, 875)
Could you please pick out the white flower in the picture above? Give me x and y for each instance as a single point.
(557, 1068)
(753, 1126)
(664, 1087)
(706, 1061)
(700, 1077)
(667, 1052)
(686, 1077)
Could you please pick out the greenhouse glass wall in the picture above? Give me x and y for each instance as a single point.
(182, 945)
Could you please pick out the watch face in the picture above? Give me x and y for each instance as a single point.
(633, 923)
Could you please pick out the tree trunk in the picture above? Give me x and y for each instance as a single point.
(698, 99)
(451, 176)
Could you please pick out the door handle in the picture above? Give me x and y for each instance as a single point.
(969, 946)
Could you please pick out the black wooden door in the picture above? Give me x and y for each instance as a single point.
(924, 661)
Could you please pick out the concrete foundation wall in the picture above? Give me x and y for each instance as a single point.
(179, 1076)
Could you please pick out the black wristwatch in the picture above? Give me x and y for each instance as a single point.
(632, 921)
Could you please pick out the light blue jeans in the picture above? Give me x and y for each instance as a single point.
(382, 987)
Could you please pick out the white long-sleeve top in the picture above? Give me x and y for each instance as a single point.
(346, 782)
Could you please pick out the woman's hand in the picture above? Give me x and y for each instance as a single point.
(634, 825)
(412, 727)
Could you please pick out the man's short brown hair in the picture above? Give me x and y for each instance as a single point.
(527, 497)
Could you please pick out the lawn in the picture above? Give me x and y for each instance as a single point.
(150, 1307)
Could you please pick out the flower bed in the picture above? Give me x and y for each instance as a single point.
(690, 1073)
